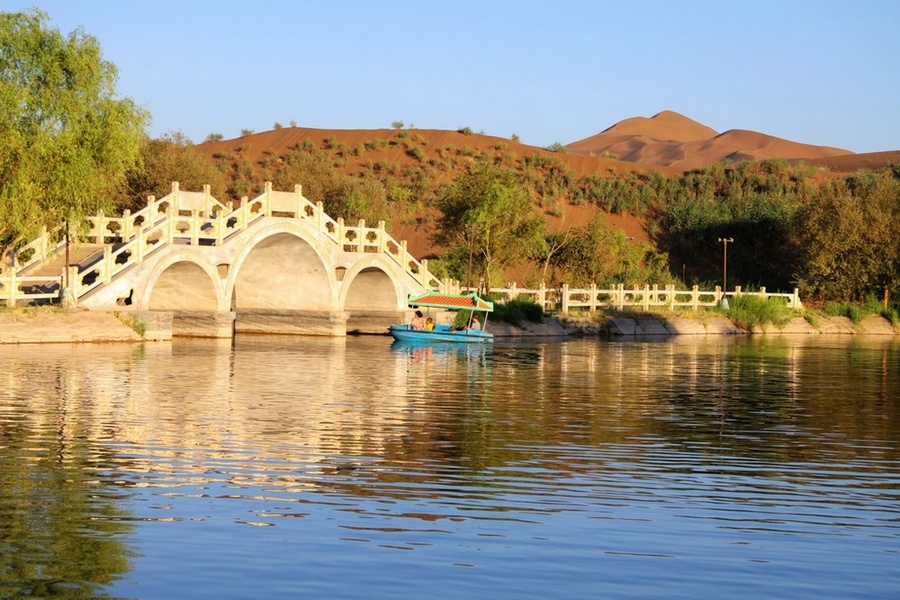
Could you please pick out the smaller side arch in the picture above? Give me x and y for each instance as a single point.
(182, 282)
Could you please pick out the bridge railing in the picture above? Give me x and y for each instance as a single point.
(196, 218)
(35, 252)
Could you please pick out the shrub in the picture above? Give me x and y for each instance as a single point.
(517, 310)
(748, 311)
(465, 130)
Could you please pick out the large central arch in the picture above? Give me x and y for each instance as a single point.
(282, 271)
(281, 284)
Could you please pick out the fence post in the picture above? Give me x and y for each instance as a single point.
(762, 292)
(670, 290)
(695, 297)
(565, 298)
(646, 297)
(542, 296)
(512, 294)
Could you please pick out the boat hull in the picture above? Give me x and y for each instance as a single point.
(404, 333)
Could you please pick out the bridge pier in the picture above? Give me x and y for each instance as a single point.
(375, 321)
(202, 323)
(291, 322)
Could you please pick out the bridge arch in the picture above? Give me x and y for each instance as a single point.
(369, 286)
(182, 282)
(281, 267)
(371, 297)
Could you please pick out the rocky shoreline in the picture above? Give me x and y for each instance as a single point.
(37, 326)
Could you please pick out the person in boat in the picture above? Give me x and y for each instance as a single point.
(429, 324)
(475, 324)
(418, 321)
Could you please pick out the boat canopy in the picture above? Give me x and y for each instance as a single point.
(451, 301)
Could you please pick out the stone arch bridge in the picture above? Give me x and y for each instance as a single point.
(273, 264)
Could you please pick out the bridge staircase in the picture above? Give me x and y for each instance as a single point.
(43, 273)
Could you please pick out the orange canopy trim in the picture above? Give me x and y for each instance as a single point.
(451, 301)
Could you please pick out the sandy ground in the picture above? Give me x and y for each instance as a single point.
(26, 327)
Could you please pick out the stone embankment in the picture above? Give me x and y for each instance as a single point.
(53, 326)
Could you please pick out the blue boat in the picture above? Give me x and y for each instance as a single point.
(473, 332)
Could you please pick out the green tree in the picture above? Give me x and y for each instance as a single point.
(66, 141)
(490, 216)
(341, 195)
(850, 238)
(173, 157)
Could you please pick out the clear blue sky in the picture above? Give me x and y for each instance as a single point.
(818, 72)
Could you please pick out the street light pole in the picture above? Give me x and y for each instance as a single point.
(725, 242)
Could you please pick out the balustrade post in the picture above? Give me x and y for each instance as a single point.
(300, 212)
(404, 256)
(381, 237)
(695, 297)
(268, 196)
(195, 228)
(44, 243)
(72, 287)
(207, 201)
(107, 264)
(423, 272)
(244, 213)
(361, 225)
(592, 305)
(565, 298)
(720, 295)
(151, 209)
(797, 304)
(620, 296)
(762, 292)
(320, 216)
(646, 297)
(127, 226)
(140, 245)
(98, 235)
(671, 294)
(542, 296)
(170, 224)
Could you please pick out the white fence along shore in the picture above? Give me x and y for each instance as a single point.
(565, 299)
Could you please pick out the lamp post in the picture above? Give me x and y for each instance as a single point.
(725, 242)
(471, 229)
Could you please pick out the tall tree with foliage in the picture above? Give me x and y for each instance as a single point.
(66, 141)
(852, 250)
(488, 216)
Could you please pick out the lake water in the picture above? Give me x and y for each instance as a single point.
(351, 468)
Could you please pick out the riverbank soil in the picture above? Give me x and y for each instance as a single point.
(45, 326)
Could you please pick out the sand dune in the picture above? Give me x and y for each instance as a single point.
(672, 140)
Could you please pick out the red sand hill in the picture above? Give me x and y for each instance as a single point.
(669, 139)
(668, 143)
